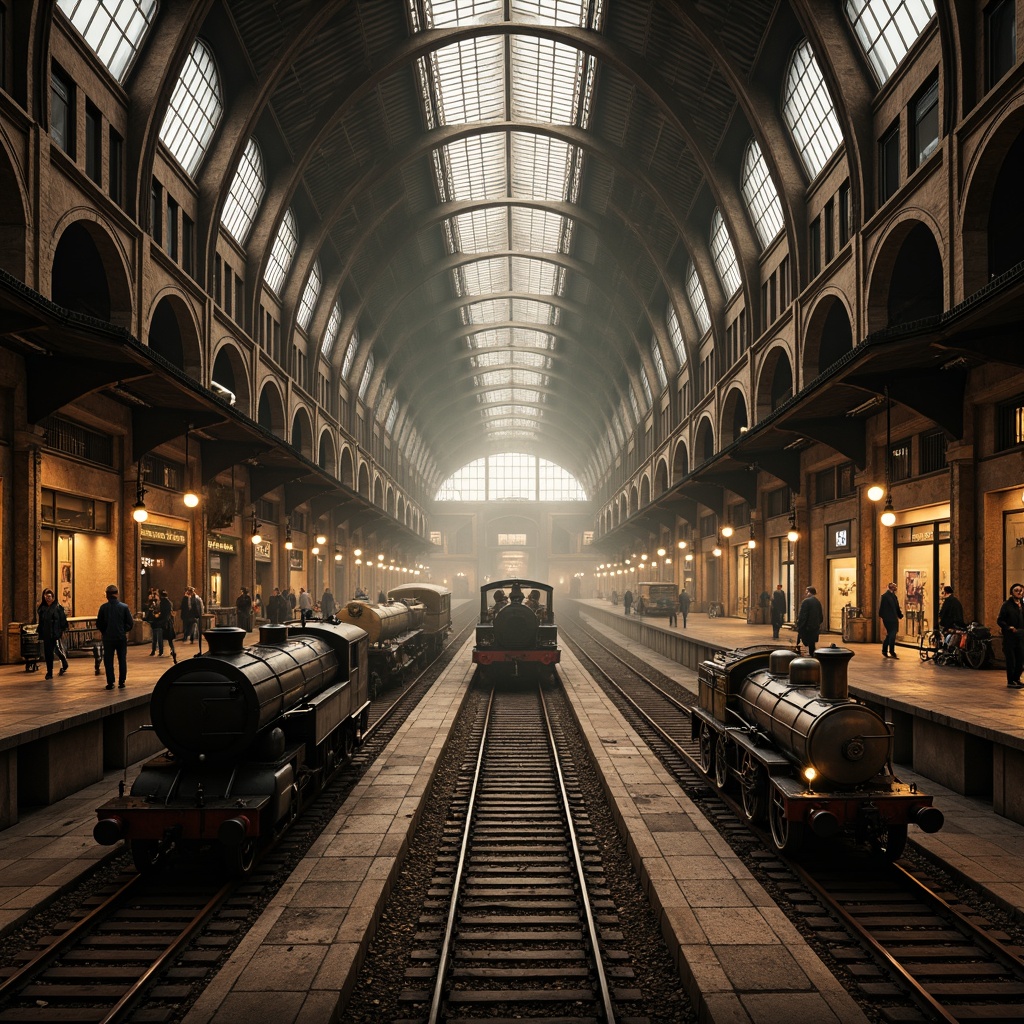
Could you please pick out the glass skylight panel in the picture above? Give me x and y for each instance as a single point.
(533, 311)
(513, 410)
(245, 194)
(887, 29)
(485, 276)
(725, 255)
(646, 385)
(536, 230)
(495, 379)
(331, 332)
(698, 304)
(675, 333)
(488, 311)
(557, 484)
(760, 195)
(364, 383)
(489, 358)
(469, 80)
(481, 230)
(477, 168)
(809, 112)
(495, 338)
(502, 395)
(659, 364)
(522, 336)
(283, 252)
(512, 424)
(534, 276)
(114, 29)
(350, 355)
(310, 294)
(540, 167)
(195, 109)
(546, 80)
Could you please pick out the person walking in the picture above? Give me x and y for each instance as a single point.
(684, 605)
(167, 624)
(243, 607)
(197, 615)
(188, 624)
(627, 601)
(1011, 625)
(809, 620)
(291, 602)
(305, 605)
(152, 616)
(890, 612)
(641, 606)
(52, 625)
(779, 604)
(327, 604)
(114, 622)
(673, 613)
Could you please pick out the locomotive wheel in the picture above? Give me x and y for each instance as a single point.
(721, 764)
(707, 755)
(788, 836)
(753, 786)
(348, 742)
(239, 859)
(890, 841)
(143, 852)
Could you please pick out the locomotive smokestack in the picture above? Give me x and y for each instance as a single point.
(225, 639)
(834, 661)
(273, 633)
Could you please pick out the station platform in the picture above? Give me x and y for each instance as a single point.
(955, 726)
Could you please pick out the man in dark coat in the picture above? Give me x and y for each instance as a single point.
(809, 620)
(1011, 625)
(778, 610)
(627, 601)
(684, 605)
(277, 607)
(243, 608)
(890, 613)
(951, 614)
(114, 622)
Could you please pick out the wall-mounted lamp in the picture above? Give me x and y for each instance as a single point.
(727, 531)
(139, 513)
(717, 549)
(190, 498)
(257, 537)
(288, 543)
(751, 543)
(337, 554)
(888, 514)
(793, 535)
(661, 552)
(681, 545)
(321, 539)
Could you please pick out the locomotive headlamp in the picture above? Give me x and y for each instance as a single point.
(810, 774)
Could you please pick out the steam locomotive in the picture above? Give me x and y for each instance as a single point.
(516, 634)
(403, 633)
(248, 730)
(805, 755)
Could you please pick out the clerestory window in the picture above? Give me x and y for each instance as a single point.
(195, 110)
(809, 111)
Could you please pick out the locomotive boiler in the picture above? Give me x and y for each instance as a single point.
(437, 611)
(805, 755)
(516, 635)
(396, 638)
(247, 731)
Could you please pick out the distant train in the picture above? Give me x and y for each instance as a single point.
(248, 730)
(407, 631)
(806, 756)
(516, 634)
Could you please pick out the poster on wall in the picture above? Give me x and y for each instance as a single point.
(66, 573)
(914, 582)
(1013, 547)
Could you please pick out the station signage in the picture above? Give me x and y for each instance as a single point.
(222, 544)
(263, 551)
(154, 533)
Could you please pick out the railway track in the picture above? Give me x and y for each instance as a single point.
(906, 949)
(518, 922)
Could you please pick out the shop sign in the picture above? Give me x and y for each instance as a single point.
(839, 538)
(154, 533)
(223, 544)
(295, 561)
(262, 551)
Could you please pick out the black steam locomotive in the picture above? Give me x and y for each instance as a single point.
(516, 634)
(247, 731)
(805, 754)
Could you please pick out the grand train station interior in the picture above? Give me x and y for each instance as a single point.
(335, 295)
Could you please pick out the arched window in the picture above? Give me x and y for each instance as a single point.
(887, 29)
(245, 194)
(283, 252)
(331, 332)
(698, 304)
(511, 476)
(310, 293)
(659, 364)
(725, 255)
(675, 333)
(195, 111)
(364, 383)
(389, 423)
(635, 406)
(646, 385)
(350, 355)
(809, 112)
(114, 29)
(760, 195)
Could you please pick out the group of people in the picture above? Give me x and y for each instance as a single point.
(531, 601)
(638, 606)
(159, 613)
(282, 605)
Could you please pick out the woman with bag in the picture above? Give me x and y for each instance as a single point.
(165, 623)
(53, 623)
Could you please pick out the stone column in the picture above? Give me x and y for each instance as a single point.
(965, 576)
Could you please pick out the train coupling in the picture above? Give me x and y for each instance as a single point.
(929, 819)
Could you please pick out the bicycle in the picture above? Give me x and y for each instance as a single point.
(971, 646)
(932, 643)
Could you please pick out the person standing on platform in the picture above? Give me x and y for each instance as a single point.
(188, 624)
(114, 622)
(684, 605)
(641, 606)
(673, 614)
(53, 624)
(243, 606)
(167, 624)
(951, 614)
(890, 612)
(778, 610)
(291, 602)
(327, 605)
(1011, 625)
(305, 605)
(277, 607)
(809, 620)
(627, 601)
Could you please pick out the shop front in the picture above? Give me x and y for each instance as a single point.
(783, 570)
(223, 572)
(842, 574)
(921, 538)
(297, 570)
(263, 571)
(164, 556)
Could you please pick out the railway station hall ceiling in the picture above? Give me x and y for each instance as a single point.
(501, 200)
